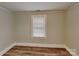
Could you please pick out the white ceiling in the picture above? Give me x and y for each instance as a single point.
(32, 6)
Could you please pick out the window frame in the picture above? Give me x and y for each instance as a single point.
(45, 35)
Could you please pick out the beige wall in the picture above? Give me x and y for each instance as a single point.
(72, 27)
(55, 26)
(62, 27)
(6, 28)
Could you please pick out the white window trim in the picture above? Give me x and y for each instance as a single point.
(45, 25)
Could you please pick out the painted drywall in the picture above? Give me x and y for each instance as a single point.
(6, 28)
(62, 27)
(72, 27)
(54, 27)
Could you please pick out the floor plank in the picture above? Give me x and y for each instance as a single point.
(36, 51)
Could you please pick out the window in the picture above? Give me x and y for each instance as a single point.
(38, 25)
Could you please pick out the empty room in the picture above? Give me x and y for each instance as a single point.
(39, 28)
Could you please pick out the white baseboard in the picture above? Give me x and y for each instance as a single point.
(6, 49)
(39, 45)
(73, 53)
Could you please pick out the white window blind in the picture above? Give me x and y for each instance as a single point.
(38, 24)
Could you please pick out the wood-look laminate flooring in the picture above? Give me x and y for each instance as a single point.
(36, 51)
